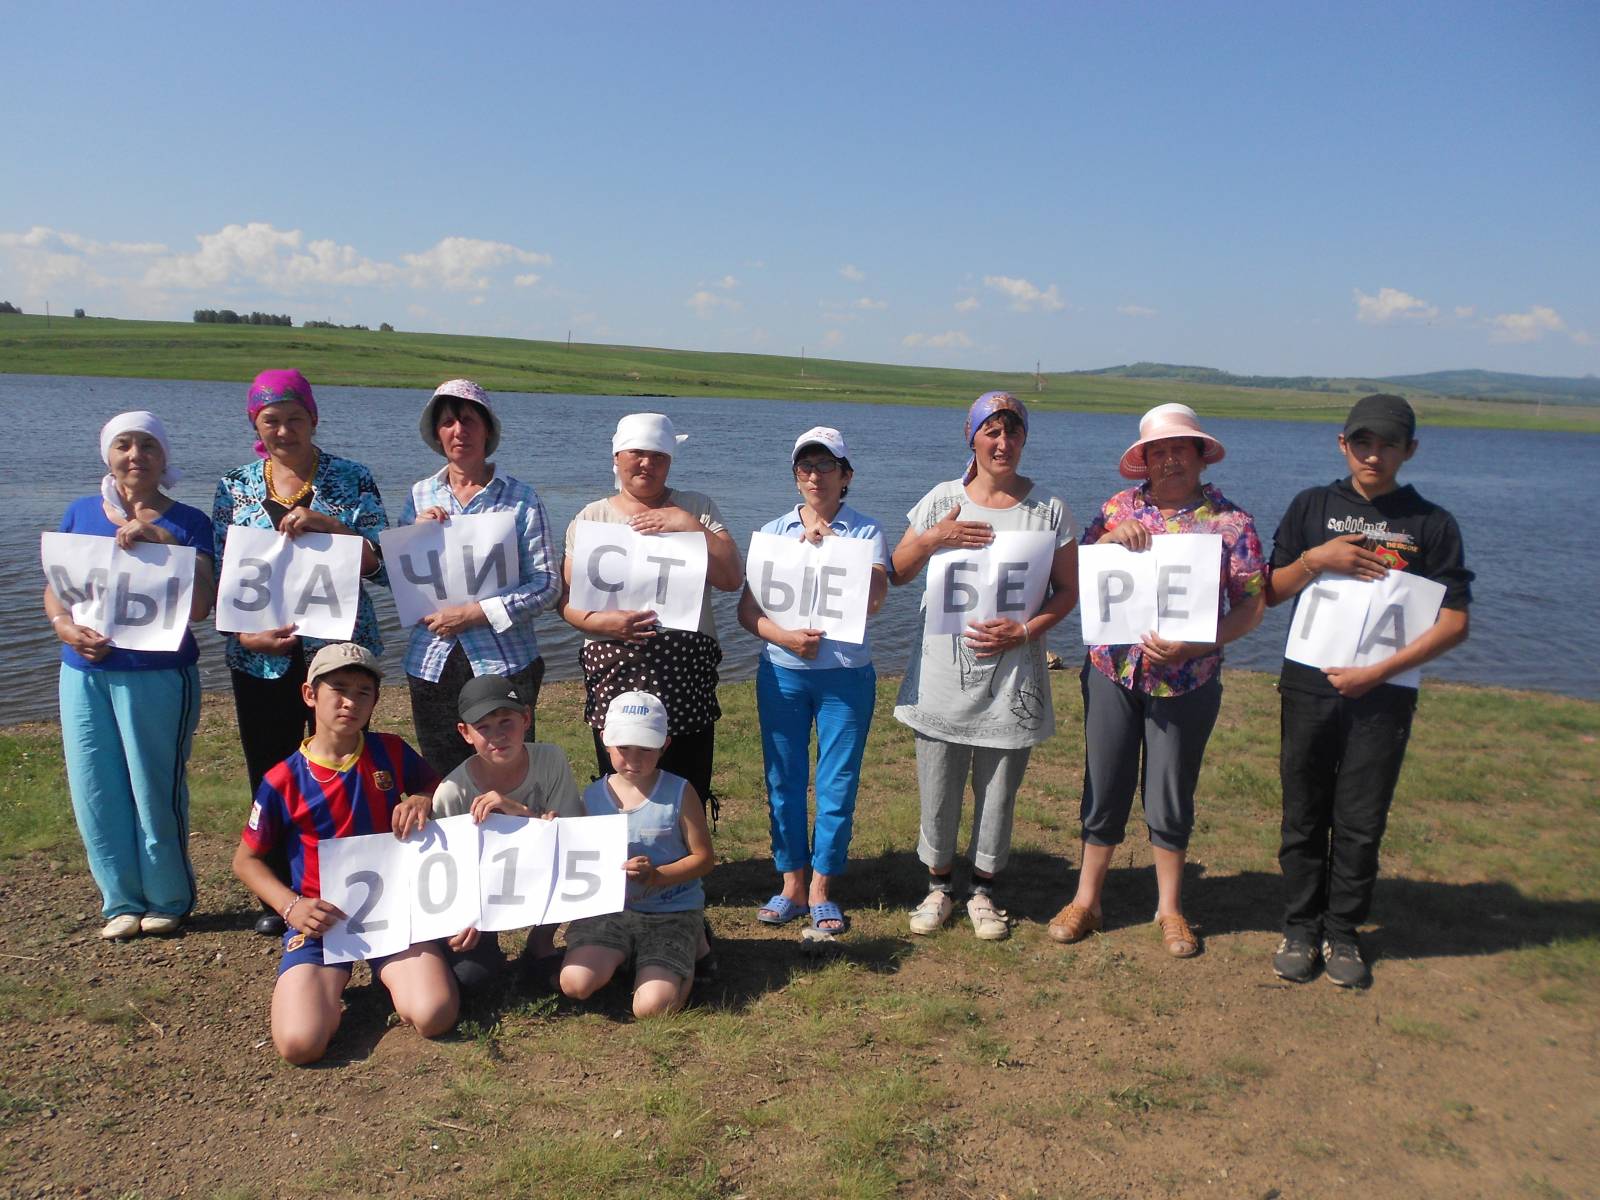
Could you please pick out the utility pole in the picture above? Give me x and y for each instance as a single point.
(1038, 379)
(47, 314)
(802, 362)
(569, 339)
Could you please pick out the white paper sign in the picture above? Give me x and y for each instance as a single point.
(1007, 578)
(364, 878)
(615, 569)
(444, 877)
(1170, 590)
(1345, 622)
(268, 581)
(455, 875)
(139, 598)
(804, 586)
(435, 564)
(515, 871)
(590, 852)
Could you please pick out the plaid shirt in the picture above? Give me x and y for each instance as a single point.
(507, 643)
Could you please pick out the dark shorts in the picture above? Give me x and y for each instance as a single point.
(309, 953)
(667, 940)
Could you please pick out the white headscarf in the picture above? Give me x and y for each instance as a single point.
(138, 421)
(645, 431)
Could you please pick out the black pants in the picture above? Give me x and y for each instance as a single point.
(690, 755)
(273, 720)
(433, 709)
(1339, 761)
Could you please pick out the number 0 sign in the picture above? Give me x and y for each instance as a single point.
(507, 873)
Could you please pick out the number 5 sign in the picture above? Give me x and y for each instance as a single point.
(507, 873)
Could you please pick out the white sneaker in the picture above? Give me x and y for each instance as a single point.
(932, 913)
(160, 924)
(121, 928)
(988, 922)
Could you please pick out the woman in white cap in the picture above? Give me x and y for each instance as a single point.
(627, 651)
(1157, 699)
(806, 679)
(128, 716)
(493, 636)
(980, 701)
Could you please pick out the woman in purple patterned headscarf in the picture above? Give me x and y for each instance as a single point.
(293, 486)
(980, 701)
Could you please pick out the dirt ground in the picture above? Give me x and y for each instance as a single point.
(895, 1066)
(143, 1069)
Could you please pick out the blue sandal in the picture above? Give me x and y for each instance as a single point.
(780, 910)
(829, 911)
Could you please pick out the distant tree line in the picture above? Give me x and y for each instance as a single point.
(226, 316)
(7, 307)
(332, 325)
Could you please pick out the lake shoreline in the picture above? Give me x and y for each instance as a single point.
(106, 347)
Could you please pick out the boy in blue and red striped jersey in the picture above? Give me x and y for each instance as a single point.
(342, 782)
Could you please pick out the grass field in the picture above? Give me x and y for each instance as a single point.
(173, 350)
(898, 1066)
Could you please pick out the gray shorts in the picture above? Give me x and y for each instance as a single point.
(667, 940)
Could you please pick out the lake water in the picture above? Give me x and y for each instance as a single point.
(1528, 625)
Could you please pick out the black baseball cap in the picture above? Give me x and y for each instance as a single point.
(1390, 417)
(485, 693)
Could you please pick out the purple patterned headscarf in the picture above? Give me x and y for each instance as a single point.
(984, 407)
(275, 387)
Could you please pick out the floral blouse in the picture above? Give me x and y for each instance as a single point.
(1243, 576)
(343, 490)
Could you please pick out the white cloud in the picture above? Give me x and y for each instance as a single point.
(754, 264)
(852, 272)
(866, 303)
(967, 304)
(1581, 337)
(245, 260)
(953, 338)
(1389, 304)
(832, 337)
(705, 303)
(1529, 326)
(1025, 296)
(1137, 310)
(462, 263)
(1465, 311)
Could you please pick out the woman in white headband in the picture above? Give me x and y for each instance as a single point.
(628, 651)
(128, 716)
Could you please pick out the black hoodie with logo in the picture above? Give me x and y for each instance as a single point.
(1410, 533)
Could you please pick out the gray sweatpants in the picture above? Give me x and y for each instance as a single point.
(1173, 731)
(942, 771)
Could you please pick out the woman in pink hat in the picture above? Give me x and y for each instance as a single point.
(1149, 707)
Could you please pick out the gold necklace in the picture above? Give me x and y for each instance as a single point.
(305, 488)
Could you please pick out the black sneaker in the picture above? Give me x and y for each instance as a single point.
(1343, 963)
(1296, 960)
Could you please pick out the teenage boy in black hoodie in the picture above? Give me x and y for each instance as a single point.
(1344, 729)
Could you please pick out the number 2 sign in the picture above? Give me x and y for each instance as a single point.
(507, 873)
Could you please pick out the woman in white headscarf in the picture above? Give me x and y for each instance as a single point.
(628, 651)
(128, 716)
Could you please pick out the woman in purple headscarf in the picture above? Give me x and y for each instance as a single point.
(295, 487)
(980, 701)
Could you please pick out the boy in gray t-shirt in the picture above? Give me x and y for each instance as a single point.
(506, 774)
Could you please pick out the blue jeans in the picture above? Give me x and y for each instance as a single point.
(127, 736)
(839, 702)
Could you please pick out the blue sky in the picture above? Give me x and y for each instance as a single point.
(1276, 189)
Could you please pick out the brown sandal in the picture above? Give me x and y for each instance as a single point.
(1176, 935)
(1072, 924)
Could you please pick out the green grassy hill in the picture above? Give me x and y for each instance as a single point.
(176, 350)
